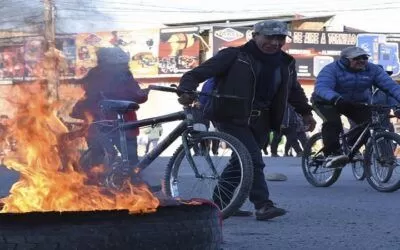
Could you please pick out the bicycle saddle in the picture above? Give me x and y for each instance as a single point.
(121, 107)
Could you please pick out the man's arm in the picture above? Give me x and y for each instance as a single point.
(325, 84)
(384, 82)
(298, 98)
(215, 66)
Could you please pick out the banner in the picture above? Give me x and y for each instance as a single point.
(144, 52)
(315, 49)
(179, 50)
(67, 46)
(230, 37)
(12, 62)
(141, 45)
(86, 46)
(33, 55)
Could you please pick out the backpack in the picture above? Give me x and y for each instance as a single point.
(208, 87)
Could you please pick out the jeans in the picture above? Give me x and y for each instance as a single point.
(259, 194)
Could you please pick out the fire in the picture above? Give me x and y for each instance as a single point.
(47, 164)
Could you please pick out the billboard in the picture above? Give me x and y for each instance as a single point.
(315, 49)
(179, 50)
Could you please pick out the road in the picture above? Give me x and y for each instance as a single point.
(348, 215)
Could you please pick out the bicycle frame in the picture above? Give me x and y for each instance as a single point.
(182, 129)
(372, 127)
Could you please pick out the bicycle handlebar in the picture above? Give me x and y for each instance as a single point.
(163, 88)
(379, 106)
(193, 92)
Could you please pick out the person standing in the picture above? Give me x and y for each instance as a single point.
(110, 79)
(265, 77)
(153, 136)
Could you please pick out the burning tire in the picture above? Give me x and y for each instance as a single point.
(170, 227)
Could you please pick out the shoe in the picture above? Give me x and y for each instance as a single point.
(336, 161)
(242, 213)
(300, 154)
(268, 212)
(274, 155)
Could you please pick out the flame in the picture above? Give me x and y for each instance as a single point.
(47, 161)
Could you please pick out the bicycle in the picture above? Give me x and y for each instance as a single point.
(183, 168)
(379, 156)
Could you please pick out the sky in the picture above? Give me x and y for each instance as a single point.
(92, 15)
(370, 15)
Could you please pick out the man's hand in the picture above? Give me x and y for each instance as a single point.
(186, 99)
(346, 104)
(309, 122)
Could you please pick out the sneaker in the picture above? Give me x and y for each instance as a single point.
(274, 155)
(336, 161)
(268, 212)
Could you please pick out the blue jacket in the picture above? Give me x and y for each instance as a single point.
(336, 80)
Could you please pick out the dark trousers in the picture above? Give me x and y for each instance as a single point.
(291, 140)
(259, 194)
(332, 124)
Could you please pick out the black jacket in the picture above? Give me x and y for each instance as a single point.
(236, 70)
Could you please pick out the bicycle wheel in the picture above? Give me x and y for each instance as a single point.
(224, 176)
(357, 166)
(358, 170)
(382, 163)
(313, 161)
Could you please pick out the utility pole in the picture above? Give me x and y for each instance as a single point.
(51, 59)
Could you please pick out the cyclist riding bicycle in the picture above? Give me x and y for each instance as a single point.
(339, 89)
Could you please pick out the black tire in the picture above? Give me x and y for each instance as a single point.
(383, 177)
(358, 170)
(178, 164)
(171, 227)
(313, 160)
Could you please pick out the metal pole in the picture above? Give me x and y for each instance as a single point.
(50, 36)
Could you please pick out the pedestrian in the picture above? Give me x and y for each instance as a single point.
(110, 79)
(265, 77)
(153, 133)
(339, 89)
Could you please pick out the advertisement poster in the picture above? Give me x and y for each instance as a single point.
(87, 44)
(144, 52)
(67, 46)
(179, 50)
(12, 62)
(315, 49)
(33, 55)
(224, 37)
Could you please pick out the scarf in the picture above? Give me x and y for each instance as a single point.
(266, 82)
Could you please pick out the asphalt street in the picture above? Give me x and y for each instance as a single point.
(348, 215)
